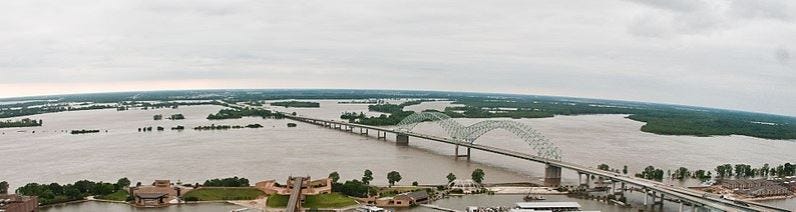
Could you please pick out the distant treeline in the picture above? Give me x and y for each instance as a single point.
(226, 127)
(26, 122)
(721, 171)
(74, 132)
(296, 104)
(659, 119)
(240, 113)
(396, 114)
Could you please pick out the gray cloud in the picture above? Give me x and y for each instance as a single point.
(700, 52)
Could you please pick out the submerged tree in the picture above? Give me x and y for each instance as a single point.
(367, 177)
(478, 175)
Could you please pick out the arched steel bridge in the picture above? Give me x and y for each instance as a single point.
(547, 153)
(544, 148)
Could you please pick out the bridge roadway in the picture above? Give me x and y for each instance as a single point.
(294, 202)
(699, 198)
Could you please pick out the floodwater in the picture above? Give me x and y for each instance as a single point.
(51, 154)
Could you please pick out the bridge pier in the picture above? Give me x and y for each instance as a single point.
(401, 139)
(646, 196)
(363, 133)
(552, 176)
(465, 155)
(381, 135)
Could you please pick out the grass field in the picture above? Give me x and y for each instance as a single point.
(210, 194)
(120, 195)
(333, 200)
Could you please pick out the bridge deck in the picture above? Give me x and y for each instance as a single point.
(693, 196)
(295, 195)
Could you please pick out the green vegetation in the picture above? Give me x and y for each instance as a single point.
(75, 132)
(7, 111)
(120, 195)
(367, 176)
(157, 117)
(240, 113)
(659, 119)
(333, 200)
(722, 171)
(744, 170)
(478, 175)
(393, 177)
(296, 104)
(178, 116)
(226, 127)
(26, 122)
(334, 176)
(54, 193)
(227, 182)
(277, 201)
(451, 177)
(178, 127)
(353, 188)
(709, 124)
(219, 193)
(651, 173)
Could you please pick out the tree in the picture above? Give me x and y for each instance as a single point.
(451, 177)
(624, 170)
(681, 173)
(367, 177)
(478, 175)
(334, 176)
(603, 167)
(393, 177)
(4, 187)
(124, 182)
(415, 183)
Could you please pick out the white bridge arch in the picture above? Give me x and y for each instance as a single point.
(470, 134)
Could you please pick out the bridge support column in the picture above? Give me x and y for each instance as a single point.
(401, 139)
(381, 135)
(646, 196)
(588, 180)
(363, 133)
(613, 187)
(681, 206)
(552, 176)
(462, 156)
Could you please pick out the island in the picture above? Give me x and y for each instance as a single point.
(26, 122)
(297, 104)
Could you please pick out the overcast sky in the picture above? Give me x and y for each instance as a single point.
(726, 54)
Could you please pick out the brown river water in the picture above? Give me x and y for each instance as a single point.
(51, 154)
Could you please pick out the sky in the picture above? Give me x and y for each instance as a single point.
(724, 53)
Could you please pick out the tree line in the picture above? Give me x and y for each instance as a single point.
(26, 122)
(55, 193)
